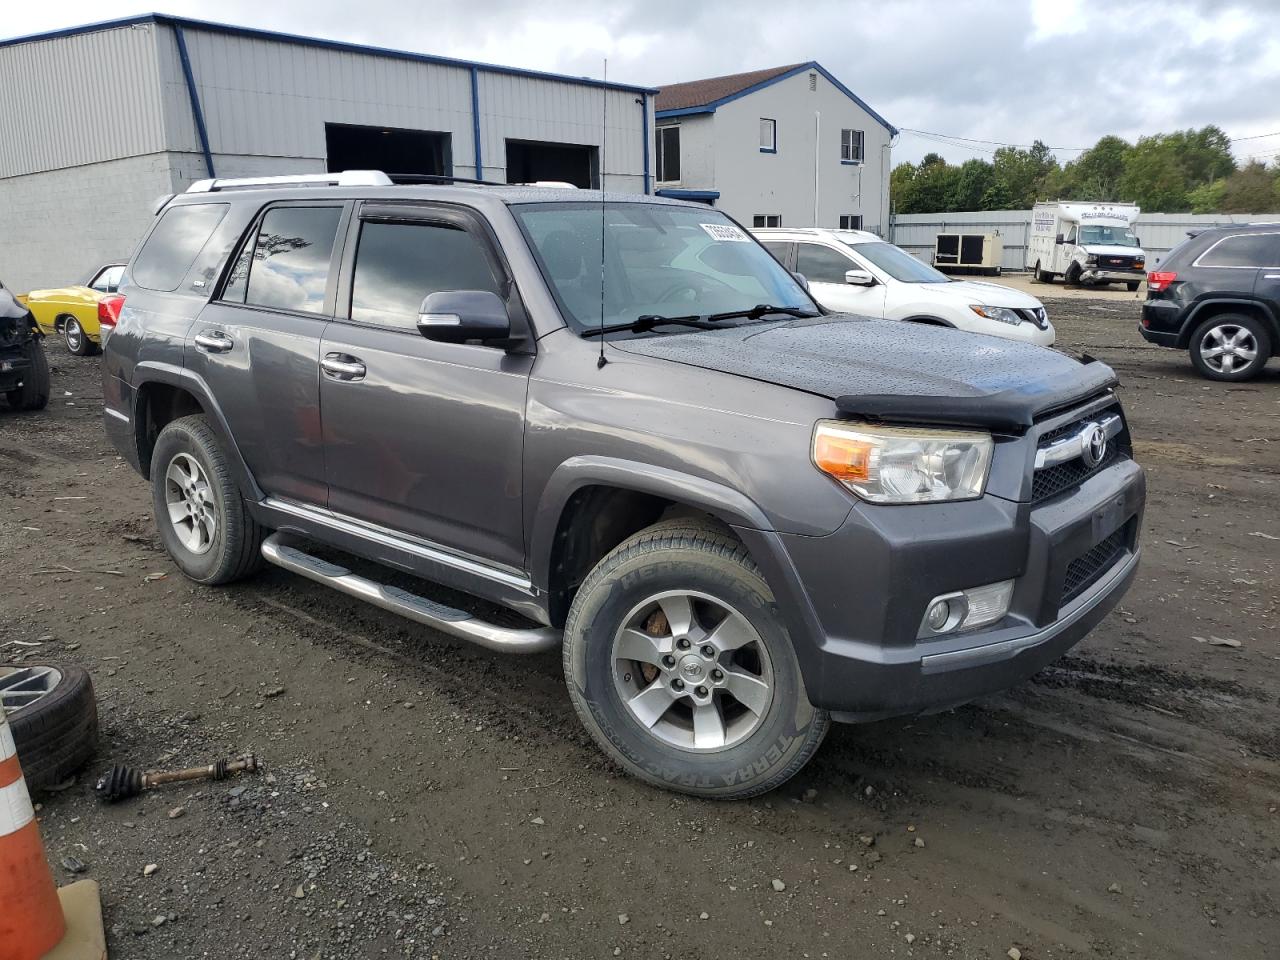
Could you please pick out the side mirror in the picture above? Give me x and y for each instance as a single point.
(456, 316)
(1059, 239)
(859, 278)
(801, 279)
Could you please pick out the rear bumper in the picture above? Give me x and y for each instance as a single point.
(1162, 322)
(859, 595)
(117, 418)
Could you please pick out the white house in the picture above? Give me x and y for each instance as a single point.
(789, 146)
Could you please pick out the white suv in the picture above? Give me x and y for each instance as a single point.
(853, 271)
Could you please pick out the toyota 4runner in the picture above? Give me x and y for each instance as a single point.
(737, 515)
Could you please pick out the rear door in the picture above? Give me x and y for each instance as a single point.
(1267, 284)
(423, 438)
(257, 344)
(824, 267)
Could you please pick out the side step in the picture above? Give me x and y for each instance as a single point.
(278, 550)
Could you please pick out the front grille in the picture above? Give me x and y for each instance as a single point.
(1051, 481)
(1086, 570)
(1117, 263)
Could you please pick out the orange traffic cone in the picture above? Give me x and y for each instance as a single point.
(36, 918)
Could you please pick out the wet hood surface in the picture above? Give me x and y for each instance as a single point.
(891, 370)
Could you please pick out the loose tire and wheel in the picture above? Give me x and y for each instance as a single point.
(681, 669)
(1132, 285)
(34, 392)
(200, 513)
(1230, 346)
(74, 337)
(54, 719)
(1043, 276)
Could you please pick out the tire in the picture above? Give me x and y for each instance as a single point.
(76, 340)
(57, 734)
(34, 392)
(219, 541)
(1244, 342)
(1043, 276)
(1072, 276)
(1132, 285)
(758, 749)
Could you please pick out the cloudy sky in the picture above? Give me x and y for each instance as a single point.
(1000, 71)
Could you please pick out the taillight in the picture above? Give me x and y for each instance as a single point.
(109, 313)
(1159, 280)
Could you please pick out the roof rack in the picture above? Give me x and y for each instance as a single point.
(440, 178)
(347, 178)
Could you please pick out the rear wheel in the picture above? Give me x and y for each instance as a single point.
(74, 337)
(1230, 346)
(1043, 276)
(34, 392)
(680, 667)
(1132, 285)
(201, 516)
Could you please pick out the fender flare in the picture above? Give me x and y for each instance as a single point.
(1189, 325)
(723, 502)
(930, 319)
(150, 371)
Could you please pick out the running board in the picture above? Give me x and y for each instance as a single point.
(280, 551)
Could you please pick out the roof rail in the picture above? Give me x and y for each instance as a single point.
(347, 178)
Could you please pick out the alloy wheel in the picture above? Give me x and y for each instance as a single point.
(23, 686)
(193, 511)
(1228, 348)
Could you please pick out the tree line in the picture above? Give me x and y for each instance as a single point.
(1190, 171)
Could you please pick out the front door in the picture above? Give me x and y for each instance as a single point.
(257, 345)
(423, 438)
(824, 267)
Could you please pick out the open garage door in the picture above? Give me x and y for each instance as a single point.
(531, 160)
(387, 149)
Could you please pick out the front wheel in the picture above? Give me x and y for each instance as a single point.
(1230, 346)
(681, 669)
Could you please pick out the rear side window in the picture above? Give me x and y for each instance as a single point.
(819, 264)
(1244, 250)
(398, 264)
(175, 243)
(286, 265)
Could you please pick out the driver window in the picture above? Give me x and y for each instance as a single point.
(820, 264)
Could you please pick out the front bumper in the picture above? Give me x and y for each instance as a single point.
(1098, 274)
(855, 598)
(13, 369)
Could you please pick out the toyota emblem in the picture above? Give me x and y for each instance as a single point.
(1094, 446)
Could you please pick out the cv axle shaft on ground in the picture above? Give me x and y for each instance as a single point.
(122, 782)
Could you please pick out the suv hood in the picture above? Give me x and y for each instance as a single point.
(987, 294)
(892, 371)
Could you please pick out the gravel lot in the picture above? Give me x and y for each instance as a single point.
(422, 798)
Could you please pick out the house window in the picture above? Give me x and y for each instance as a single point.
(850, 146)
(768, 135)
(669, 153)
(850, 221)
(767, 220)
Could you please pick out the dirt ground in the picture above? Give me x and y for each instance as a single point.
(424, 798)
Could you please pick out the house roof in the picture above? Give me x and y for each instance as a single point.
(339, 45)
(705, 96)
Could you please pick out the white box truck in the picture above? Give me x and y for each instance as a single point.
(1086, 243)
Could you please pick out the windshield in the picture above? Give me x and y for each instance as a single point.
(659, 259)
(1110, 236)
(897, 263)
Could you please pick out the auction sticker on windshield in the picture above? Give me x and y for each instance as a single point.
(724, 231)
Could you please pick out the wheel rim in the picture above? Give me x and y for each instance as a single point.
(189, 500)
(1228, 348)
(73, 334)
(25, 685)
(692, 671)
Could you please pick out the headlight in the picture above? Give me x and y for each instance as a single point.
(1002, 314)
(1091, 260)
(903, 465)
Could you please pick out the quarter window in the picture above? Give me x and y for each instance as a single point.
(398, 264)
(851, 146)
(819, 264)
(768, 135)
(1245, 250)
(107, 280)
(286, 266)
(767, 220)
(669, 153)
(175, 243)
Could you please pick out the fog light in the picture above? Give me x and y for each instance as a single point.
(938, 615)
(966, 609)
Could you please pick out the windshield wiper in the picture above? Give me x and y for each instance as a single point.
(760, 309)
(648, 321)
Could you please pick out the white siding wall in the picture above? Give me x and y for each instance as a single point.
(751, 182)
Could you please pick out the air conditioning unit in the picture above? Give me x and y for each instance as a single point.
(968, 253)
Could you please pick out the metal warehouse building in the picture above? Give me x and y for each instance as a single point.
(100, 121)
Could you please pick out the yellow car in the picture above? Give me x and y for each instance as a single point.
(71, 313)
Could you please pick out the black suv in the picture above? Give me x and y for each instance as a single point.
(1217, 295)
(736, 515)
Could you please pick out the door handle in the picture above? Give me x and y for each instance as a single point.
(214, 341)
(340, 366)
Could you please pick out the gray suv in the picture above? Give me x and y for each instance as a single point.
(737, 515)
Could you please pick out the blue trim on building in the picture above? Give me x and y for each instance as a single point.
(768, 149)
(644, 123)
(702, 196)
(803, 68)
(339, 45)
(197, 113)
(475, 121)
